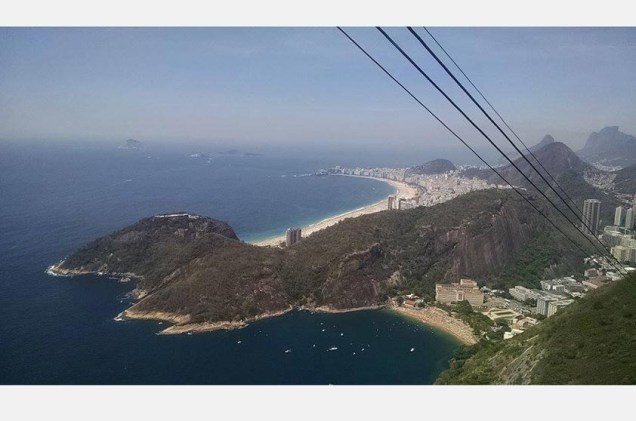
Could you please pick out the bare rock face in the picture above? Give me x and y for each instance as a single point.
(483, 253)
(355, 282)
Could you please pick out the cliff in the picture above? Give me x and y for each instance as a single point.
(193, 271)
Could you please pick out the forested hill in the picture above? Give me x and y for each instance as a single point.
(625, 180)
(194, 268)
(592, 341)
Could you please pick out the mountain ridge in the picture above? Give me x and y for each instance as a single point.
(435, 166)
(189, 273)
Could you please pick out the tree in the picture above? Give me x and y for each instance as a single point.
(464, 307)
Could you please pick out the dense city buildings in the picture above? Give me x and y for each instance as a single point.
(621, 236)
(466, 289)
(625, 254)
(554, 293)
(434, 189)
(292, 236)
(591, 215)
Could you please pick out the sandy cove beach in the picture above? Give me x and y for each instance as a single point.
(439, 319)
(402, 191)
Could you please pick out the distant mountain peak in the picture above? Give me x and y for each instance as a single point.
(131, 144)
(556, 157)
(436, 166)
(609, 146)
(546, 140)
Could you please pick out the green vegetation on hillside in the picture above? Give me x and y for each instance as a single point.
(625, 180)
(592, 341)
(194, 266)
(545, 256)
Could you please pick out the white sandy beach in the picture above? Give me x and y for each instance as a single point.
(402, 190)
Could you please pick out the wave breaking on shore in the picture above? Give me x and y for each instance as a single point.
(402, 190)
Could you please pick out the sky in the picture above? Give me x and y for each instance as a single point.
(309, 90)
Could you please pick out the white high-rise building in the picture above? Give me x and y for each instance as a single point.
(292, 236)
(619, 216)
(629, 218)
(591, 215)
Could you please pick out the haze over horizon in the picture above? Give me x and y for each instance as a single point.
(308, 89)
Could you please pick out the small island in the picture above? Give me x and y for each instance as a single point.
(131, 144)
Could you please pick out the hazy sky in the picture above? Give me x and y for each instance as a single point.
(306, 88)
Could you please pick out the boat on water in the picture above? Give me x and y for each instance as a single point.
(333, 348)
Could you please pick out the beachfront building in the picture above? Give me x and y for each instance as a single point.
(292, 236)
(406, 204)
(391, 202)
(466, 289)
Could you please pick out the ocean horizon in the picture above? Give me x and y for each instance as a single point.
(61, 330)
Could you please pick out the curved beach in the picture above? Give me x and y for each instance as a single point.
(402, 190)
(439, 319)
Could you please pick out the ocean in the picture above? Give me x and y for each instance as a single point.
(54, 197)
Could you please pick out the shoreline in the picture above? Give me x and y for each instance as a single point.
(181, 325)
(432, 317)
(402, 191)
(438, 319)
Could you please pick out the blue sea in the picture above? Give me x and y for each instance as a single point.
(56, 196)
